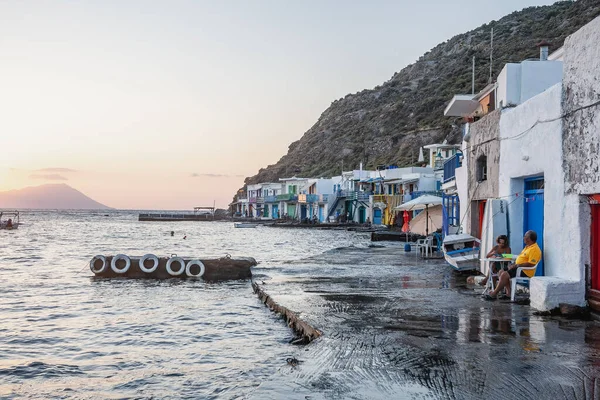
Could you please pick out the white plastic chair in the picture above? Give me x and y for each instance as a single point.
(426, 244)
(520, 279)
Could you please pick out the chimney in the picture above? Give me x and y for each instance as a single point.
(544, 45)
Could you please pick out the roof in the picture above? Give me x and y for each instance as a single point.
(293, 178)
(371, 180)
(461, 105)
(442, 146)
(485, 91)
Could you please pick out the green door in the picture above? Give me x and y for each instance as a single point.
(291, 210)
(362, 215)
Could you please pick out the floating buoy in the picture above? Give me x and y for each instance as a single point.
(181, 264)
(113, 264)
(188, 269)
(145, 258)
(93, 264)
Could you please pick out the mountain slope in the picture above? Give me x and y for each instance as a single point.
(52, 196)
(388, 124)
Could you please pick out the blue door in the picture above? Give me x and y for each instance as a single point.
(534, 214)
(377, 216)
(321, 214)
(302, 212)
(275, 211)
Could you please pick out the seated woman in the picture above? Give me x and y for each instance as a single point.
(500, 248)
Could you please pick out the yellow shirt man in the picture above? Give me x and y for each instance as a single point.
(531, 254)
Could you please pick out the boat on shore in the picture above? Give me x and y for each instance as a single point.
(9, 220)
(461, 251)
(245, 225)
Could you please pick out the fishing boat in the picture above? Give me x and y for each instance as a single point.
(245, 225)
(9, 220)
(461, 251)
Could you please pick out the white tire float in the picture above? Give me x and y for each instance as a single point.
(145, 258)
(93, 264)
(181, 263)
(113, 264)
(188, 269)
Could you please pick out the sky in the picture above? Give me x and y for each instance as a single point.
(170, 104)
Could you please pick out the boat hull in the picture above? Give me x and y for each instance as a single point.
(244, 225)
(462, 252)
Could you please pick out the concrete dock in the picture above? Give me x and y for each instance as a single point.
(394, 326)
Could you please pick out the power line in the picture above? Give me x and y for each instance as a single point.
(536, 123)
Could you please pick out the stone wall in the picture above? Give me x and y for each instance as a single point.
(484, 142)
(581, 88)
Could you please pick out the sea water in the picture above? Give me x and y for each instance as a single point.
(65, 333)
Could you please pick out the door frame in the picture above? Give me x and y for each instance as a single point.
(530, 192)
(593, 294)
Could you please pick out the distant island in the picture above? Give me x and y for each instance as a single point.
(52, 196)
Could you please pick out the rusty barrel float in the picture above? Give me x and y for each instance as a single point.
(150, 266)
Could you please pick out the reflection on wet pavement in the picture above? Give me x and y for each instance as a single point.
(398, 327)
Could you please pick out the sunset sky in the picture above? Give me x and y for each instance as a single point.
(170, 104)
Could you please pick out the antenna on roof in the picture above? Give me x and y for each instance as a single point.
(491, 54)
(473, 78)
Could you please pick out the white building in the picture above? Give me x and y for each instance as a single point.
(518, 82)
(549, 167)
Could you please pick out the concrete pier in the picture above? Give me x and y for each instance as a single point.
(216, 269)
(395, 326)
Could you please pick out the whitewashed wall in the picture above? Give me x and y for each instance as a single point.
(528, 152)
(462, 189)
(518, 83)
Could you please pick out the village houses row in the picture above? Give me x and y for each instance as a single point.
(530, 139)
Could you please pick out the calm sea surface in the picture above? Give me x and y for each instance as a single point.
(65, 334)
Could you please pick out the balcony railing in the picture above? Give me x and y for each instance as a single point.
(450, 167)
(324, 198)
(271, 199)
(354, 195)
(251, 199)
(260, 199)
(287, 197)
(308, 198)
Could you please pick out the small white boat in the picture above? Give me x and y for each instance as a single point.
(461, 251)
(9, 220)
(245, 225)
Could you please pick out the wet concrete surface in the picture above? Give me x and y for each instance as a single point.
(395, 326)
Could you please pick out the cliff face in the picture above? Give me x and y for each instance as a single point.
(388, 124)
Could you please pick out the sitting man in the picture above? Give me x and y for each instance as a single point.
(529, 257)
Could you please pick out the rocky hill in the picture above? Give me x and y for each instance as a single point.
(52, 196)
(388, 124)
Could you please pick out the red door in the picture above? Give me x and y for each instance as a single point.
(594, 293)
(481, 212)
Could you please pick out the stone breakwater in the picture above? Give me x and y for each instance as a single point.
(305, 333)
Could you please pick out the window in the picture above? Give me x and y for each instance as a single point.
(481, 172)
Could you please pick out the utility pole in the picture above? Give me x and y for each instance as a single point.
(491, 55)
(473, 78)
